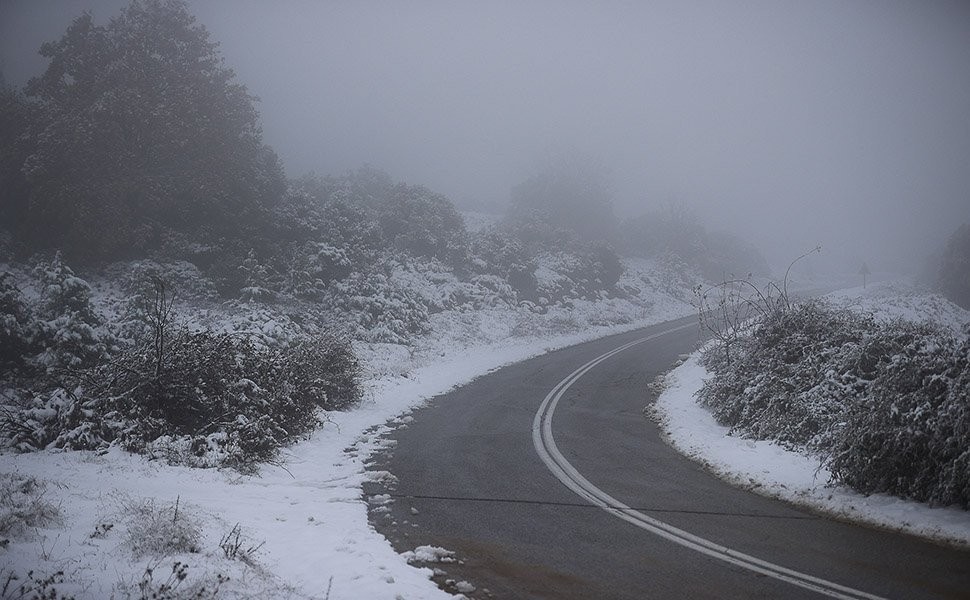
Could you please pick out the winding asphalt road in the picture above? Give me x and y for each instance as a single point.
(548, 481)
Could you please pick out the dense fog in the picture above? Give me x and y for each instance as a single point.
(792, 124)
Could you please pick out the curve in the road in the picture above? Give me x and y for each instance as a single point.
(468, 479)
(545, 445)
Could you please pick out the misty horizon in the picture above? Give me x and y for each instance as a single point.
(792, 125)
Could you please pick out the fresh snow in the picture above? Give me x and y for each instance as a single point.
(305, 518)
(902, 299)
(302, 523)
(769, 469)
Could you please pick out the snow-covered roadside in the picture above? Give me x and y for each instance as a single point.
(305, 518)
(769, 469)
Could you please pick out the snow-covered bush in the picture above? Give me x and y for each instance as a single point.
(227, 396)
(16, 327)
(23, 507)
(269, 326)
(160, 529)
(791, 377)
(486, 291)
(422, 223)
(380, 309)
(256, 280)
(499, 252)
(531, 322)
(885, 404)
(60, 418)
(581, 272)
(439, 288)
(313, 267)
(545, 264)
(909, 434)
(191, 283)
(346, 222)
(69, 330)
(675, 276)
(143, 280)
(322, 371)
(174, 584)
(194, 397)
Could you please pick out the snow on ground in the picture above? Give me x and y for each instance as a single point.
(301, 525)
(769, 469)
(902, 299)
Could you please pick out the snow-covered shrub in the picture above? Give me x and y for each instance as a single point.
(338, 211)
(380, 309)
(23, 507)
(175, 585)
(322, 371)
(16, 327)
(422, 223)
(137, 276)
(544, 264)
(266, 326)
(351, 226)
(790, 378)
(148, 307)
(885, 404)
(499, 252)
(69, 330)
(313, 267)
(227, 395)
(439, 289)
(486, 291)
(159, 530)
(195, 397)
(583, 272)
(256, 280)
(237, 545)
(60, 418)
(675, 276)
(909, 434)
(531, 323)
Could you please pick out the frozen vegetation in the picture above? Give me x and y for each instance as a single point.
(855, 404)
(199, 351)
(101, 521)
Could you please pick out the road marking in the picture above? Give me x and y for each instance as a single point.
(545, 445)
(528, 501)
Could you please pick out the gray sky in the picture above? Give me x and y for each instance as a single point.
(842, 123)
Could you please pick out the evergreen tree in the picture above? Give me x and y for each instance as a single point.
(68, 327)
(16, 334)
(144, 140)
